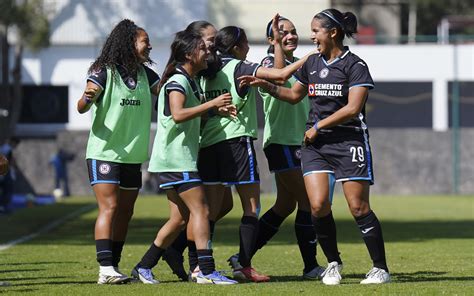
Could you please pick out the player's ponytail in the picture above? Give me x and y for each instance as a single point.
(349, 22)
(228, 37)
(344, 23)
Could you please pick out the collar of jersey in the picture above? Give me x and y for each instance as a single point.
(340, 57)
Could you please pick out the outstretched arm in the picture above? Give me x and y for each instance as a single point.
(291, 95)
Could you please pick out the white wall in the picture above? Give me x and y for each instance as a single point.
(66, 65)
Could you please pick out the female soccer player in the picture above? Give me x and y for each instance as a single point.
(336, 141)
(232, 138)
(175, 153)
(119, 88)
(283, 132)
(174, 253)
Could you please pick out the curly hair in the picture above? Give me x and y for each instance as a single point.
(119, 49)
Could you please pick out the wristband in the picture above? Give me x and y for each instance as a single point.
(87, 100)
(315, 126)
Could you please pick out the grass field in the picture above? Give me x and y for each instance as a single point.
(429, 245)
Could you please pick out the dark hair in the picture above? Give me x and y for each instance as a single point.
(269, 33)
(213, 61)
(228, 37)
(184, 43)
(119, 49)
(197, 26)
(346, 22)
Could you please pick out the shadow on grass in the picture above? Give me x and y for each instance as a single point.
(427, 276)
(54, 283)
(143, 231)
(29, 278)
(21, 270)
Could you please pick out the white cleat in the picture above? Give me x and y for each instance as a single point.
(332, 274)
(376, 276)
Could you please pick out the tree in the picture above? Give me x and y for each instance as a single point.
(27, 20)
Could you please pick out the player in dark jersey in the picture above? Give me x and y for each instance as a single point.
(337, 83)
(284, 129)
(232, 139)
(119, 90)
(174, 253)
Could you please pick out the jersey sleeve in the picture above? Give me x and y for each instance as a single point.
(174, 86)
(359, 75)
(244, 68)
(268, 62)
(302, 73)
(99, 78)
(153, 77)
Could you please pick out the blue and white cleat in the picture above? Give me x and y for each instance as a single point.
(214, 278)
(145, 275)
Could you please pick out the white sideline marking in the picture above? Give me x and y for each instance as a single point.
(46, 228)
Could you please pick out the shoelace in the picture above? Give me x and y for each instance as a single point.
(331, 271)
(147, 273)
(375, 273)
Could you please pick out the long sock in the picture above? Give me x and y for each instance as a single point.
(193, 256)
(104, 252)
(117, 248)
(212, 225)
(247, 232)
(325, 229)
(268, 226)
(206, 261)
(151, 257)
(306, 238)
(371, 232)
(180, 243)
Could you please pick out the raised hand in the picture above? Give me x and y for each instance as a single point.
(276, 29)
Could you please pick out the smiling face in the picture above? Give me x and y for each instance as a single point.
(289, 36)
(143, 46)
(199, 60)
(322, 37)
(209, 35)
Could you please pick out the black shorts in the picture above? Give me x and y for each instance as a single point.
(283, 157)
(126, 175)
(180, 181)
(347, 156)
(229, 162)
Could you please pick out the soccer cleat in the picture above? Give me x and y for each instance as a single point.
(234, 262)
(332, 274)
(376, 276)
(214, 278)
(250, 274)
(192, 276)
(115, 279)
(145, 275)
(175, 261)
(315, 274)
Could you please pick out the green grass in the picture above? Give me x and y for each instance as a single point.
(429, 245)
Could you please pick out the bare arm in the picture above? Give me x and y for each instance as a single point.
(291, 95)
(90, 95)
(182, 114)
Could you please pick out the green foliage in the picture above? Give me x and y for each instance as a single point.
(430, 13)
(429, 243)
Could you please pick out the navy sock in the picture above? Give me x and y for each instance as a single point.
(268, 226)
(371, 232)
(117, 248)
(193, 256)
(151, 257)
(247, 231)
(212, 225)
(206, 261)
(104, 252)
(306, 238)
(325, 229)
(180, 243)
